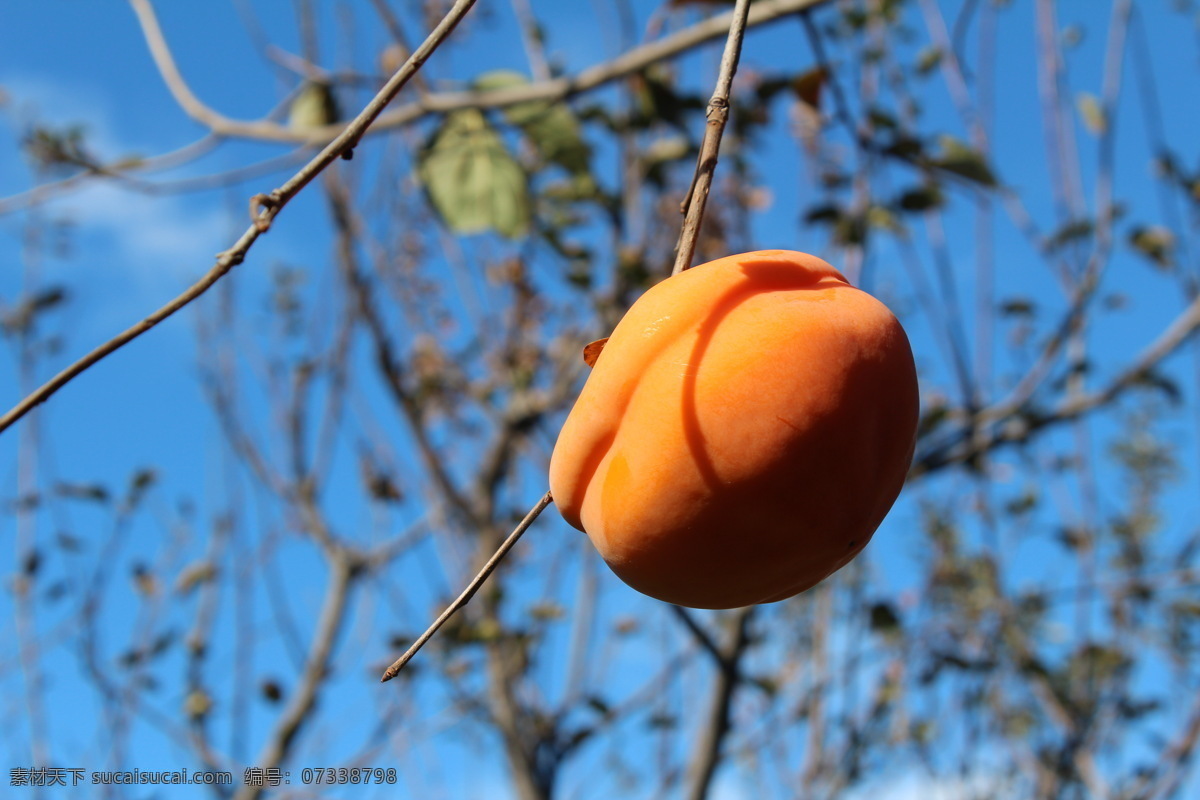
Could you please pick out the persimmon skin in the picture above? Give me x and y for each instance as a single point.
(745, 430)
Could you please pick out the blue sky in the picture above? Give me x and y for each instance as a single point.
(85, 63)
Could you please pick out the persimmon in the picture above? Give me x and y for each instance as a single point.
(744, 431)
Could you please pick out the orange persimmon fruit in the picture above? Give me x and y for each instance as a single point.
(742, 434)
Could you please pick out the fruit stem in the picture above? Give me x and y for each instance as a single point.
(706, 164)
(471, 589)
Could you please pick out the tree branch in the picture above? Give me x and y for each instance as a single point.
(472, 587)
(270, 204)
(46, 191)
(718, 115)
(707, 754)
(320, 654)
(961, 446)
(633, 61)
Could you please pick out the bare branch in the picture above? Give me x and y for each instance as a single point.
(531, 37)
(471, 589)
(320, 654)
(170, 72)
(629, 63)
(227, 260)
(347, 226)
(707, 755)
(717, 114)
(701, 635)
(122, 167)
(962, 447)
(397, 31)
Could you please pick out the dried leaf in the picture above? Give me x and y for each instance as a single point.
(197, 704)
(92, 492)
(591, 351)
(193, 575)
(22, 315)
(1094, 118)
(547, 611)
(141, 482)
(809, 121)
(392, 58)
(921, 198)
(378, 480)
(928, 60)
(884, 618)
(809, 86)
(144, 580)
(271, 690)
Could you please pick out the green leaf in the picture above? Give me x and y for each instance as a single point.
(57, 147)
(551, 127)
(932, 418)
(881, 217)
(1069, 232)
(963, 160)
(1155, 243)
(472, 180)
(314, 107)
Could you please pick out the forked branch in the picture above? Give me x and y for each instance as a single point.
(268, 207)
(718, 113)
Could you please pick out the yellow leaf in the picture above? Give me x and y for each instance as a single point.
(1092, 112)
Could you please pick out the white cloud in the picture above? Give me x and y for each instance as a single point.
(33, 98)
(154, 237)
(151, 236)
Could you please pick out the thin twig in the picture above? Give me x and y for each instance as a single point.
(344, 574)
(272, 204)
(200, 183)
(531, 37)
(46, 191)
(701, 635)
(718, 115)
(397, 32)
(471, 589)
(1014, 428)
(624, 65)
